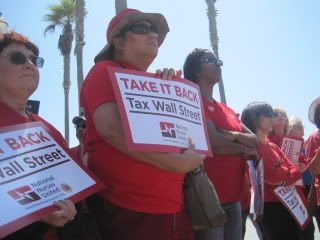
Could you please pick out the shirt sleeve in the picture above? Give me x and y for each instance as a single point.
(97, 88)
(278, 167)
(311, 148)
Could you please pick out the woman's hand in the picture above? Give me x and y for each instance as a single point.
(168, 74)
(192, 158)
(59, 218)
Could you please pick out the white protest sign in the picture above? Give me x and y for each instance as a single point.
(292, 147)
(35, 171)
(290, 198)
(257, 189)
(159, 115)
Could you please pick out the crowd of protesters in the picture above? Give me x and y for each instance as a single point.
(143, 194)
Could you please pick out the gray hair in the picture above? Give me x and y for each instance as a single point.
(294, 122)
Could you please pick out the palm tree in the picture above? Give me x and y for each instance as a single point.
(120, 5)
(4, 26)
(63, 15)
(212, 14)
(78, 50)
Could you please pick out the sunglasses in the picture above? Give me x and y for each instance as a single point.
(141, 28)
(83, 126)
(18, 58)
(211, 59)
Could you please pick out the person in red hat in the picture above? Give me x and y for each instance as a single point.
(143, 198)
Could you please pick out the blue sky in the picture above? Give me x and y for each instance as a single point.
(270, 49)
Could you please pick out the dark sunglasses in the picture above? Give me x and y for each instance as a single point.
(211, 59)
(19, 58)
(83, 126)
(141, 28)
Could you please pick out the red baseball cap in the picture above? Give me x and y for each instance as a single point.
(129, 16)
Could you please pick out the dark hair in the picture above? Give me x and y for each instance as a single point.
(192, 64)
(317, 117)
(251, 113)
(13, 37)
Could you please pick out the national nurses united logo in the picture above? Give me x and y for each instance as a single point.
(66, 187)
(168, 129)
(24, 195)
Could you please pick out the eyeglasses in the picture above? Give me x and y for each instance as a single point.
(211, 59)
(18, 58)
(83, 126)
(141, 28)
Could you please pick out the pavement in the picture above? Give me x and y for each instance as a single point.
(252, 235)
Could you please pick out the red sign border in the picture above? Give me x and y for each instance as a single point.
(144, 146)
(41, 213)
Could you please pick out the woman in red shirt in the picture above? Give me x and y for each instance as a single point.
(232, 143)
(277, 222)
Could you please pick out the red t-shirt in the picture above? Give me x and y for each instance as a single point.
(10, 117)
(36, 230)
(277, 168)
(225, 171)
(277, 139)
(312, 146)
(130, 183)
(246, 194)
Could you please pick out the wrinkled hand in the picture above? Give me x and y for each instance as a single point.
(66, 213)
(168, 74)
(192, 158)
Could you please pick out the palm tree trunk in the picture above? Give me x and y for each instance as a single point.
(78, 51)
(120, 5)
(66, 88)
(214, 39)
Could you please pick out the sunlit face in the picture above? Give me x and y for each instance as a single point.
(17, 81)
(209, 70)
(279, 124)
(141, 44)
(265, 124)
(297, 131)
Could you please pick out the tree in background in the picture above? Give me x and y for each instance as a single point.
(78, 50)
(63, 15)
(120, 5)
(214, 39)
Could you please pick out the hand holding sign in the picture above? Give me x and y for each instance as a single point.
(60, 217)
(168, 74)
(192, 159)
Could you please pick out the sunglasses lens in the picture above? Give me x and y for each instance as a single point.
(213, 60)
(37, 61)
(83, 126)
(142, 29)
(18, 58)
